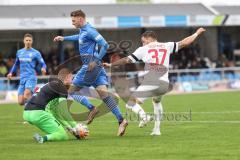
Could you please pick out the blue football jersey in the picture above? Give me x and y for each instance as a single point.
(27, 60)
(89, 43)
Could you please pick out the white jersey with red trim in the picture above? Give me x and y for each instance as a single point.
(155, 53)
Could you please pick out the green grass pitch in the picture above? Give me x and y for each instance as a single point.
(213, 133)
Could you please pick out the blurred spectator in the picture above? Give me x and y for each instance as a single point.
(189, 58)
(226, 46)
(52, 59)
(3, 67)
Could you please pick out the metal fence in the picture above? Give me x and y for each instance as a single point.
(184, 81)
(209, 74)
(230, 74)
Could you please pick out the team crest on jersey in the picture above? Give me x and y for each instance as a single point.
(30, 54)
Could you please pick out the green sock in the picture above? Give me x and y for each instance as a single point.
(45, 138)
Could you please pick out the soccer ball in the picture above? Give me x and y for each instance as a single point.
(82, 131)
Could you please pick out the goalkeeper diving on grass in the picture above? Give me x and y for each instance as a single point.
(45, 112)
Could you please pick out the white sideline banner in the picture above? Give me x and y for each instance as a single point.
(117, 22)
(59, 2)
(233, 20)
(51, 23)
(35, 23)
(9, 97)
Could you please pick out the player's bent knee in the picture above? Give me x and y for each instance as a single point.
(132, 99)
(157, 99)
(27, 94)
(131, 102)
(21, 103)
(103, 93)
(21, 100)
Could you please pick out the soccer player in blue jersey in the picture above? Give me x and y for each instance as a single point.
(92, 73)
(27, 59)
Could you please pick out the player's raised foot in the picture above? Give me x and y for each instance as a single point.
(144, 121)
(155, 132)
(38, 138)
(122, 127)
(92, 115)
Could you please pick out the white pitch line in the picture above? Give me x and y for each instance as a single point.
(205, 122)
(224, 112)
(214, 122)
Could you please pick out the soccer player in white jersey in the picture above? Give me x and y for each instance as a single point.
(154, 53)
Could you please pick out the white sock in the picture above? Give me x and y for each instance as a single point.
(137, 109)
(158, 111)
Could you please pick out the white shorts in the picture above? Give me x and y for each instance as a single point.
(151, 86)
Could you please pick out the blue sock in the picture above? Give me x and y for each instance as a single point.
(112, 105)
(83, 100)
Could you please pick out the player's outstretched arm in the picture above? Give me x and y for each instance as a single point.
(189, 40)
(71, 38)
(121, 61)
(132, 58)
(58, 38)
(14, 68)
(66, 38)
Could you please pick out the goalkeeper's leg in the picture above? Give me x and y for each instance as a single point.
(59, 108)
(48, 124)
